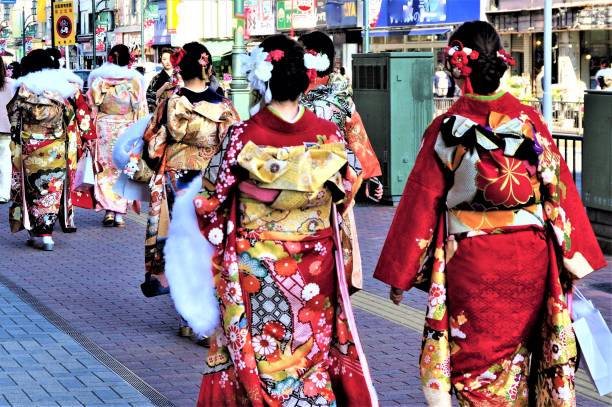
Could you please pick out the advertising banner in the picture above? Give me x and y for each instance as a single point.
(172, 16)
(341, 13)
(63, 23)
(297, 14)
(101, 38)
(260, 18)
(401, 13)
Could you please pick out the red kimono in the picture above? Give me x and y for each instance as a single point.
(288, 335)
(492, 224)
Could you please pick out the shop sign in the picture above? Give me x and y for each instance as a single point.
(63, 23)
(28, 44)
(341, 13)
(260, 19)
(303, 14)
(101, 38)
(406, 13)
(8, 1)
(322, 13)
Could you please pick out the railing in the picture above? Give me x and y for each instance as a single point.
(570, 146)
(567, 116)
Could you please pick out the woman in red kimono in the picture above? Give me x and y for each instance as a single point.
(287, 334)
(491, 222)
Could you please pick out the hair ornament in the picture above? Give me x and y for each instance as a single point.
(110, 59)
(506, 57)
(176, 58)
(203, 61)
(458, 57)
(258, 67)
(316, 60)
(132, 60)
(275, 55)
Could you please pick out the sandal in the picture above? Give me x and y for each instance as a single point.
(109, 220)
(119, 222)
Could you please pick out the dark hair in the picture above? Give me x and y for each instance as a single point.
(120, 55)
(2, 75)
(16, 67)
(165, 51)
(321, 43)
(55, 56)
(289, 78)
(190, 64)
(141, 69)
(35, 61)
(488, 69)
(604, 62)
(342, 71)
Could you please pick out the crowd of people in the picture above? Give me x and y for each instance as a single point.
(251, 226)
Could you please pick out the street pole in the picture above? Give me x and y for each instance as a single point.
(366, 26)
(547, 100)
(239, 88)
(52, 24)
(142, 39)
(23, 28)
(93, 30)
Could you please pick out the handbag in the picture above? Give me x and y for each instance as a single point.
(595, 341)
(84, 177)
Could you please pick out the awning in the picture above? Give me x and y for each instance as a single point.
(218, 48)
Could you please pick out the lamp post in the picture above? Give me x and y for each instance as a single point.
(366, 26)
(239, 88)
(547, 100)
(26, 24)
(142, 37)
(94, 13)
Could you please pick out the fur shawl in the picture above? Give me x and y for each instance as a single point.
(57, 81)
(113, 71)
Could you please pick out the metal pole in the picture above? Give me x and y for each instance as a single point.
(23, 28)
(366, 26)
(142, 39)
(547, 100)
(93, 30)
(52, 24)
(239, 88)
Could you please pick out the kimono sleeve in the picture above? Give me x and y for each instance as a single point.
(177, 118)
(152, 93)
(212, 207)
(84, 117)
(359, 143)
(563, 208)
(416, 218)
(139, 98)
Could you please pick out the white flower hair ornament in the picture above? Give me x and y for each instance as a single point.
(258, 68)
(315, 62)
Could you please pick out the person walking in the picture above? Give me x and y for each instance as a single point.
(117, 96)
(6, 94)
(13, 70)
(491, 224)
(162, 78)
(42, 117)
(185, 134)
(332, 101)
(288, 335)
(442, 82)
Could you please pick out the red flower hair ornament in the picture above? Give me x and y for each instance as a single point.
(176, 58)
(506, 57)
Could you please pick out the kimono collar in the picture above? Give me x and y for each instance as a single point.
(267, 118)
(216, 112)
(476, 106)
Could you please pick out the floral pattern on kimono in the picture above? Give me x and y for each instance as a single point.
(287, 336)
(181, 140)
(482, 173)
(333, 102)
(80, 130)
(117, 102)
(44, 157)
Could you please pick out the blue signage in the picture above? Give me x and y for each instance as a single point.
(8, 1)
(341, 13)
(397, 13)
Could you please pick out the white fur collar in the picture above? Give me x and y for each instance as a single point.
(50, 80)
(112, 71)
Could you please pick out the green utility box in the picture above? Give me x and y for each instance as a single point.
(596, 165)
(394, 95)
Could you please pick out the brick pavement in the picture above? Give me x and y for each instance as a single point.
(92, 281)
(41, 365)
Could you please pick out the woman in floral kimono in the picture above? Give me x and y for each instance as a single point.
(287, 334)
(491, 222)
(334, 102)
(117, 94)
(185, 134)
(48, 125)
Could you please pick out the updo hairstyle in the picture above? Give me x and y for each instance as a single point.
(488, 69)
(320, 42)
(120, 55)
(289, 78)
(36, 60)
(190, 66)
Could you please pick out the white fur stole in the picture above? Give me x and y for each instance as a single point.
(188, 269)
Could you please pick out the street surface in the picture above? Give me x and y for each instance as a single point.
(76, 330)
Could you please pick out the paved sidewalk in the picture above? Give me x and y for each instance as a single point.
(43, 366)
(91, 281)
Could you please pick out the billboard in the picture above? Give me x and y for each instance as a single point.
(341, 13)
(260, 18)
(400, 13)
(63, 23)
(303, 14)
